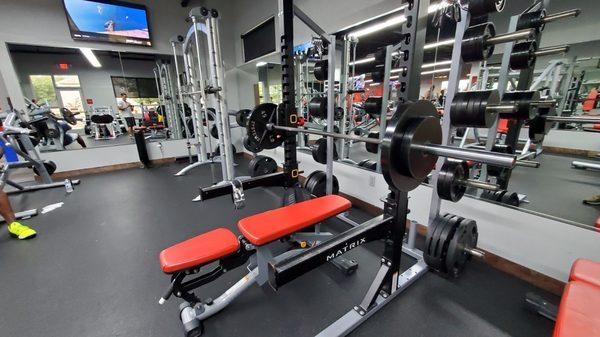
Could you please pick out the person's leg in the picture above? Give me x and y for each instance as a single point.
(15, 228)
(130, 123)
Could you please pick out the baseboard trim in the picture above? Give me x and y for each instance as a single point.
(108, 168)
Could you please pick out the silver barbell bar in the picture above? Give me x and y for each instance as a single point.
(495, 159)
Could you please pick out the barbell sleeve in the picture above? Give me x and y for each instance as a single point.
(528, 163)
(552, 50)
(502, 108)
(511, 37)
(490, 158)
(474, 252)
(480, 184)
(562, 15)
(581, 120)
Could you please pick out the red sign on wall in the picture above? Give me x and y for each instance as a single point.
(89, 101)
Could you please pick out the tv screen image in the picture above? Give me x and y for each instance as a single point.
(108, 21)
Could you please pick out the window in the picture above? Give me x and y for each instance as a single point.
(66, 81)
(43, 89)
(135, 87)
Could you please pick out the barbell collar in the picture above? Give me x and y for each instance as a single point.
(580, 120)
(524, 34)
(501, 108)
(480, 184)
(495, 159)
(572, 13)
(552, 50)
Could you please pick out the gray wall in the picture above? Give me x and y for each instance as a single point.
(95, 83)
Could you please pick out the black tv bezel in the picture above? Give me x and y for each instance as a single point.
(117, 3)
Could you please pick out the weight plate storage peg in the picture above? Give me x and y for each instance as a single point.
(261, 165)
(474, 45)
(449, 186)
(473, 108)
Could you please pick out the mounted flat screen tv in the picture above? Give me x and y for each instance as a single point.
(259, 41)
(108, 21)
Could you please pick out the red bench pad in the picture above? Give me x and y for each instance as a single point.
(578, 314)
(586, 271)
(271, 225)
(199, 250)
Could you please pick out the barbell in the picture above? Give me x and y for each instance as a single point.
(409, 149)
(480, 40)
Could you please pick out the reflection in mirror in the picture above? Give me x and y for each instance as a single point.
(558, 168)
(86, 98)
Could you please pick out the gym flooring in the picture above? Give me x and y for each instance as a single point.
(93, 271)
(554, 188)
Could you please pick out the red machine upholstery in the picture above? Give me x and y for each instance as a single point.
(265, 227)
(199, 250)
(578, 315)
(503, 125)
(586, 271)
(579, 311)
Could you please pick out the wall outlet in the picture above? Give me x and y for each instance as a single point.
(372, 181)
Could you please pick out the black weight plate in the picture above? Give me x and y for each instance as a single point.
(432, 239)
(368, 164)
(458, 110)
(510, 198)
(214, 132)
(259, 137)
(49, 165)
(448, 186)
(317, 107)
(523, 55)
(249, 146)
(316, 184)
(474, 47)
(370, 147)
(319, 151)
(498, 195)
(320, 70)
(372, 106)
(445, 238)
(533, 19)
(261, 165)
(465, 236)
(525, 110)
(241, 117)
(485, 7)
(402, 166)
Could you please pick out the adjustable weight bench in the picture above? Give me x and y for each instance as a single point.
(221, 245)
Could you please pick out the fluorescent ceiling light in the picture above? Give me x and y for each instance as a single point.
(439, 44)
(432, 65)
(260, 64)
(91, 57)
(445, 70)
(396, 20)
